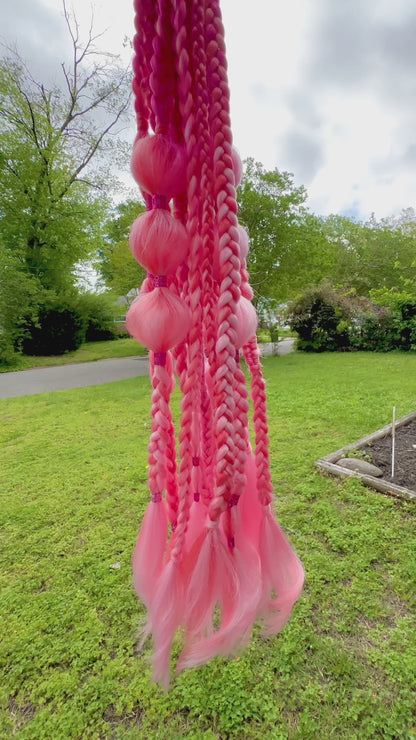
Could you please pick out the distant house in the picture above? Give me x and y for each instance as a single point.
(126, 300)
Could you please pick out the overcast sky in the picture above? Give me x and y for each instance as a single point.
(325, 89)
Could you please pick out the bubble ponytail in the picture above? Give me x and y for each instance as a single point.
(209, 543)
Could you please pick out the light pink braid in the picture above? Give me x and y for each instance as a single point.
(242, 436)
(241, 420)
(224, 191)
(162, 440)
(142, 44)
(258, 397)
(162, 76)
(160, 427)
(185, 374)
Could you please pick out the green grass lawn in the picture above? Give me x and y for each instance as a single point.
(88, 352)
(73, 490)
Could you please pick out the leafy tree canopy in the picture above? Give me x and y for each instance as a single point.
(53, 182)
(119, 271)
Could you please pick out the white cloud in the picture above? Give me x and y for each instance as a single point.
(322, 88)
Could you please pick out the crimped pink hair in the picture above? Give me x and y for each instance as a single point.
(208, 539)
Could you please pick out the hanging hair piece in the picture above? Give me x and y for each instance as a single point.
(210, 557)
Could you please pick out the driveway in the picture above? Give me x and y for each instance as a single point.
(64, 377)
(82, 374)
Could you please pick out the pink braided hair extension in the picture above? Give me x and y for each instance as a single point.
(258, 397)
(140, 68)
(196, 299)
(180, 204)
(163, 450)
(224, 193)
(209, 286)
(200, 149)
(162, 64)
(160, 426)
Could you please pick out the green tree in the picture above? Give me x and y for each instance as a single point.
(119, 270)
(53, 143)
(372, 255)
(270, 207)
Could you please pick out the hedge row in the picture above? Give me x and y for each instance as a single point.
(62, 325)
(329, 320)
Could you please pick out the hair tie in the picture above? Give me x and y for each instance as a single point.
(159, 358)
(160, 281)
(160, 201)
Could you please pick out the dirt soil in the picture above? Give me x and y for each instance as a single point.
(405, 456)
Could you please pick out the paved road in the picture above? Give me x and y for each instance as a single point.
(283, 348)
(82, 374)
(77, 375)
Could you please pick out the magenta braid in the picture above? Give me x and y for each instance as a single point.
(142, 44)
(162, 76)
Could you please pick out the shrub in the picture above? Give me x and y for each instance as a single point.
(407, 309)
(322, 319)
(375, 329)
(60, 328)
(99, 315)
(19, 296)
(402, 307)
(326, 319)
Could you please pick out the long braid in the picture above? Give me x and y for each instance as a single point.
(142, 44)
(258, 397)
(189, 447)
(224, 192)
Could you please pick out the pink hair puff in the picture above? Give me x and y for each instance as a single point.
(158, 320)
(158, 166)
(158, 241)
(210, 558)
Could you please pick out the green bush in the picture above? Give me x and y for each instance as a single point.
(376, 329)
(407, 309)
(322, 320)
(19, 296)
(64, 323)
(329, 320)
(60, 328)
(402, 307)
(99, 316)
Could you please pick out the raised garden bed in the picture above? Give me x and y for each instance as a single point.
(376, 449)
